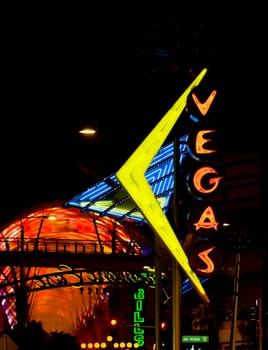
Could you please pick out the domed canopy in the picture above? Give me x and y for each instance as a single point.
(60, 309)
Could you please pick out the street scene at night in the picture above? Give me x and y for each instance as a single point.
(150, 232)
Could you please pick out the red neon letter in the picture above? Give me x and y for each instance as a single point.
(200, 141)
(204, 107)
(198, 176)
(204, 256)
(207, 220)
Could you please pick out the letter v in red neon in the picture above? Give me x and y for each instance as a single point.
(204, 107)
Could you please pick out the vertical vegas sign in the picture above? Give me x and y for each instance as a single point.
(200, 181)
(202, 185)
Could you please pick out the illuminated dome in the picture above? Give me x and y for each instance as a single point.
(53, 228)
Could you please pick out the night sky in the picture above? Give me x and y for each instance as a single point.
(120, 71)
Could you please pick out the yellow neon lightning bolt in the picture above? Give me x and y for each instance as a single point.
(132, 177)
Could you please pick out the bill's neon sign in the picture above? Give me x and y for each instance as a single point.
(138, 320)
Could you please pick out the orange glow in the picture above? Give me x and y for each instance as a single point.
(61, 309)
(200, 141)
(204, 107)
(207, 220)
(200, 174)
(113, 322)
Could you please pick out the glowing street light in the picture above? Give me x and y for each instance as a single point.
(89, 130)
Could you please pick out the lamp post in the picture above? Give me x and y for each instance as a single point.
(22, 235)
(39, 232)
(235, 302)
(87, 141)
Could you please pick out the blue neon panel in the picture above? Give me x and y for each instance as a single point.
(107, 196)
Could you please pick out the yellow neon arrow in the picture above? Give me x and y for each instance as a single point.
(132, 177)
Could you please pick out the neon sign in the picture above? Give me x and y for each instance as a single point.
(132, 177)
(202, 183)
(138, 319)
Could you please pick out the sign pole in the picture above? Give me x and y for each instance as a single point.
(157, 295)
(176, 273)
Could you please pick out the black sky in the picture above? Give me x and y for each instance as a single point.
(62, 68)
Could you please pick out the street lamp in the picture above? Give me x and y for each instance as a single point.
(87, 131)
(87, 142)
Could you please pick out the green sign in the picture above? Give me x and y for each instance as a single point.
(195, 338)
